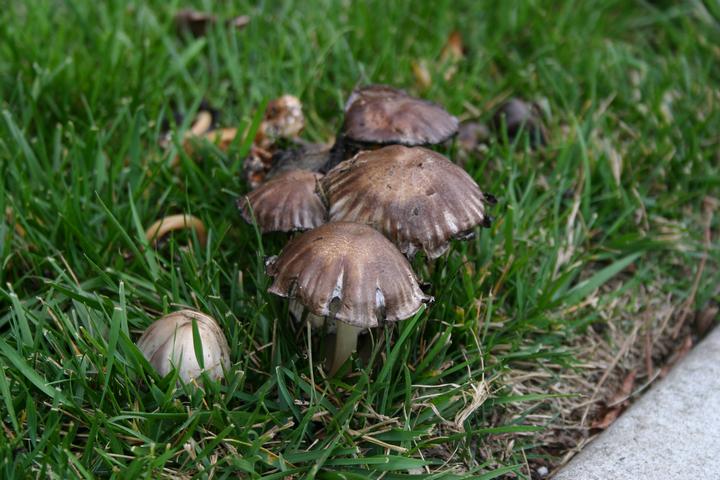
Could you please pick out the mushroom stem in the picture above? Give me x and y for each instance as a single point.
(345, 344)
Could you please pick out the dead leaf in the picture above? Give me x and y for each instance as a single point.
(203, 123)
(453, 49)
(617, 403)
(422, 74)
(616, 162)
(10, 216)
(446, 65)
(679, 354)
(705, 318)
(627, 387)
(239, 22)
(452, 53)
(172, 223)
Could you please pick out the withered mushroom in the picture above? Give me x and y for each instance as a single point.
(348, 273)
(286, 203)
(383, 115)
(308, 156)
(418, 198)
(283, 121)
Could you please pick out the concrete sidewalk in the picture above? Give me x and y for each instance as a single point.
(672, 432)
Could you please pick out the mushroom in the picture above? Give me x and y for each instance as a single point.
(418, 198)
(168, 343)
(286, 203)
(472, 138)
(383, 115)
(518, 116)
(471, 134)
(348, 273)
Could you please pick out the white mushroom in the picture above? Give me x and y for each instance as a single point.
(169, 343)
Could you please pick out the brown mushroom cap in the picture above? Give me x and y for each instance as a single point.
(418, 198)
(517, 116)
(347, 271)
(286, 203)
(384, 115)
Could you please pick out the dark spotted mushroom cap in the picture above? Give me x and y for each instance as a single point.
(347, 271)
(384, 115)
(288, 202)
(418, 198)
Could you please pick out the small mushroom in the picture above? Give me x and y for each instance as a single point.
(379, 114)
(471, 139)
(383, 115)
(418, 198)
(517, 116)
(286, 203)
(348, 273)
(168, 343)
(472, 134)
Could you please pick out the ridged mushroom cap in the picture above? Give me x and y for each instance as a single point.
(349, 272)
(286, 203)
(385, 115)
(418, 198)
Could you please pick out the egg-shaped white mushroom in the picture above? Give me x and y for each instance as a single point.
(168, 343)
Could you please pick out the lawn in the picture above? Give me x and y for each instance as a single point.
(602, 256)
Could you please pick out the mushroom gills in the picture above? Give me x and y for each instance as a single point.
(300, 314)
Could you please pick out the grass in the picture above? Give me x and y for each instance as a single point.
(616, 196)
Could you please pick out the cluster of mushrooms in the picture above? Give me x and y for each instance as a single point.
(357, 212)
(367, 205)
